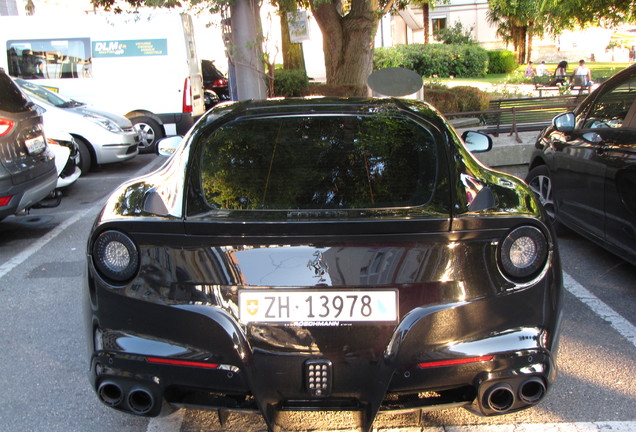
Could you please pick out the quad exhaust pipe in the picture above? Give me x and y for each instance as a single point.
(136, 399)
(502, 397)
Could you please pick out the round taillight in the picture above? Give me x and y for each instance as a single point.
(523, 252)
(115, 256)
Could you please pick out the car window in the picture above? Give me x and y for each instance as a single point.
(49, 58)
(42, 94)
(612, 108)
(11, 98)
(318, 162)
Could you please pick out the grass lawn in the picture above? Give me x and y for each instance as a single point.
(599, 70)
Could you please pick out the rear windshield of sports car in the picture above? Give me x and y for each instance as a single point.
(309, 162)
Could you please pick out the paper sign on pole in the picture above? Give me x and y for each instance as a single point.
(298, 26)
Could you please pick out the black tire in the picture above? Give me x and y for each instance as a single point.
(86, 162)
(541, 184)
(150, 132)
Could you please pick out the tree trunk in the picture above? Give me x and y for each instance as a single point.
(293, 57)
(529, 52)
(347, 43)
(518, 35)
(427, 22)
(246, 60)
(523, 42)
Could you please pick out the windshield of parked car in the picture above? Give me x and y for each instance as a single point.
(319, 162)
(612, 108)
(46, 95)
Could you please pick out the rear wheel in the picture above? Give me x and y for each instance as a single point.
(150, 132)
(541, 184)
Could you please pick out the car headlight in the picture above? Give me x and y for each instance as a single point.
(104, 122)
(115, 256)
(523, 253)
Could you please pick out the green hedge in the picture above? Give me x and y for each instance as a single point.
(290, 83)
(435, 59)
(457, 99)
(501, 61)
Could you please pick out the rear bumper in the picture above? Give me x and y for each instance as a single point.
(28, 193)
(372, 369)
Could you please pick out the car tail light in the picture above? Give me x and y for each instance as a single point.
(453, 362)
(523, 253)
(5, 200)
(174, 362)
(187, 96)
(5, 126)
(115, 256)
(219, 83)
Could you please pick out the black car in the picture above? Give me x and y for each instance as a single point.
(27, 166)
(215, 85)
(323, 254)
(583, 167)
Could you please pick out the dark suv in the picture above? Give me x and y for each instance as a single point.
(583, 167)
(27, 167)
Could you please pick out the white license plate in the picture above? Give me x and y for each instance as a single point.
(35, 145)
(306, 306)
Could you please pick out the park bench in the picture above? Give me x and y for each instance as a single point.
(518, 115)
(546, 83)
(525, 114)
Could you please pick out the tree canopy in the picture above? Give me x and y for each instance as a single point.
(349, 26)
(519, 20)
(567, 14)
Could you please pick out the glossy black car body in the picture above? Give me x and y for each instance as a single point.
(323, 255)
(584, 166)
(27, 167)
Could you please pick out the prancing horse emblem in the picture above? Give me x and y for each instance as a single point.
(319, 265)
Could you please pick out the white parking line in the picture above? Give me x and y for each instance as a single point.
(169, 423)
(18, 259)
(628, 426)
(45, 239)
(620, 324)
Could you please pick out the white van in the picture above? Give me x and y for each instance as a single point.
(144, 67)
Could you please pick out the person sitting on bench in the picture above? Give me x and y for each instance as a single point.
(582, 76)
(560, 74)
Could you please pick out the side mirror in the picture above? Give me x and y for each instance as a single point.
(477, 142)
(564, 122)
(167, 146)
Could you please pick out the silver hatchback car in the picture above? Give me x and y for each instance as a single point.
(102, 138)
